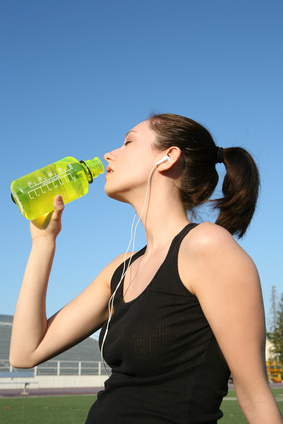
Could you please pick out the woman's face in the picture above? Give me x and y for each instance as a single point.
(129, 166)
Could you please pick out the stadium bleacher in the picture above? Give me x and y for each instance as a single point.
(87, 350)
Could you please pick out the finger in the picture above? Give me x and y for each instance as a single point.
(58, 207)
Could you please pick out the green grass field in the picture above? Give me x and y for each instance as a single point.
(74, 409)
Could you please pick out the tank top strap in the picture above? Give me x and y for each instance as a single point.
(171, 261)
(182, 234)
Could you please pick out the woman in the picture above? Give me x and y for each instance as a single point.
(187, 308)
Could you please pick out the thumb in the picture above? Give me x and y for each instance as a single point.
(58, 206)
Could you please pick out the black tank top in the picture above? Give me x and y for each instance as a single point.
(166, 364)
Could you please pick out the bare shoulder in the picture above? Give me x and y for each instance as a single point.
(208, 235)
(109, 270)
(210, 252)
(209, 239)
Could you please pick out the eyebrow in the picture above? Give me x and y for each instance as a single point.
(130, 132)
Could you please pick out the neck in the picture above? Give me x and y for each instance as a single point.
(162, 214)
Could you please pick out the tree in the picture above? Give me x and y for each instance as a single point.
(273, 309)
(276, 334)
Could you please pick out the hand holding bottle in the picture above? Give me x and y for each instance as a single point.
(50, 223)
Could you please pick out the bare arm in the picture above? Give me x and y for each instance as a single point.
(226, 282)
(36, 338)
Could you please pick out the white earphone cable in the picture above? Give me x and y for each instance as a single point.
(124, 271)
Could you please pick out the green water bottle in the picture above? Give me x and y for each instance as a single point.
(34, 193)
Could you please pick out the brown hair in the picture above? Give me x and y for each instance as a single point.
(199, 176)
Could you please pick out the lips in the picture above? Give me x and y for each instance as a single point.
(109, 170)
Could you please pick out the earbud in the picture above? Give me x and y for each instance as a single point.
(163, 160)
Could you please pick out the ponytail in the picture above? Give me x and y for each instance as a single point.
(199, 176)
(240, 191)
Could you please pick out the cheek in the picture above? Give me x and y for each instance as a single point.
(125, 181)
(134, 168)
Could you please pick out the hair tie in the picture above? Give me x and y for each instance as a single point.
(219, 155)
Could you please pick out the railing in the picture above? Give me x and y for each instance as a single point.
(62, 367)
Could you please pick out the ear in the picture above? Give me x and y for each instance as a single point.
(174, 154)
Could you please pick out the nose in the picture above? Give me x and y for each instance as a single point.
(107, 156)
(111, 155)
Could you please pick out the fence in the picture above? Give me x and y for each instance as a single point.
(62, 368)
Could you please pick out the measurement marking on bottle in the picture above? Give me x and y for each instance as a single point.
(63, 177)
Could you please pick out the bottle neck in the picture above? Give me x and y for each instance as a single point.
(87, 171)
(92, 168)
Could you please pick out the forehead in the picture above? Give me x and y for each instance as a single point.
(143, 129)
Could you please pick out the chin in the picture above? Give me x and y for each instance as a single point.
(116, 196)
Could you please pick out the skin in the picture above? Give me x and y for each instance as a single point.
(211, 265)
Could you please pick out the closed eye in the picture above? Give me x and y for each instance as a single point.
(127, 142)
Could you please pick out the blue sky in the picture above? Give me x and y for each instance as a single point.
(77, 75)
